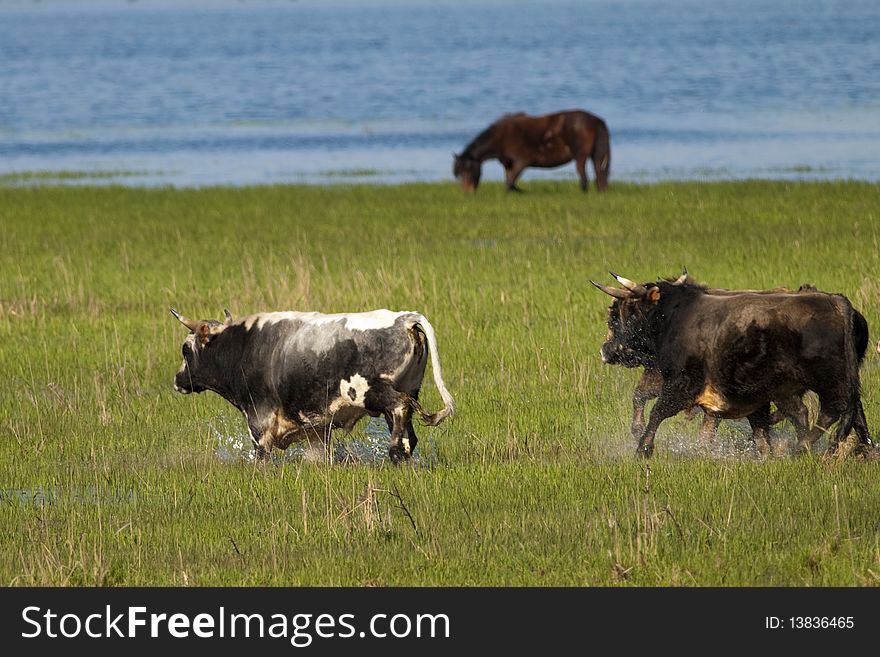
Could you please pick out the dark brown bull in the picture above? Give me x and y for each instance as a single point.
(650, 384)
(551, 140)
(734, 354)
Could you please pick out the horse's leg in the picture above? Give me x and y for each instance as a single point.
(512, 171)
(601, 157)
(581, 164)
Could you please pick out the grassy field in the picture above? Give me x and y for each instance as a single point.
(107, 477)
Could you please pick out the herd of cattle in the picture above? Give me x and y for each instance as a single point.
(297, 375)
(732, 353)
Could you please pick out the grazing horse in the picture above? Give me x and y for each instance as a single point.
(519, 141)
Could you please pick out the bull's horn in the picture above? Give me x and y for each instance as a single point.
(228, 315)
(635, 288)
(681, 280)
(191, 324)
(613, 291)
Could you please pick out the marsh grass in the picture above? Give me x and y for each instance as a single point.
(109, 478)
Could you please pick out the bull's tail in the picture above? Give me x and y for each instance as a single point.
(601, 155)
(433, 419)
(854, 416)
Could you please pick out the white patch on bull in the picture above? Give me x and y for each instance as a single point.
(369, 321)
(261, 319)
(354, 390)
(191, 341)
(377, 319)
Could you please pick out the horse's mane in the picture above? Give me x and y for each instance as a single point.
(487, 134)
(479, 140)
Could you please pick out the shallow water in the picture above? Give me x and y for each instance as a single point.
(679, 438)
(200, 93)
(367, 444)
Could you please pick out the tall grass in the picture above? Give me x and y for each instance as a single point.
(107, 477)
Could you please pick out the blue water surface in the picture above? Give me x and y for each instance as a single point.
(201, 92)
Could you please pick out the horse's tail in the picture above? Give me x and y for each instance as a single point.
(601, 154)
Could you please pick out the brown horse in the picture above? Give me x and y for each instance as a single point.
(519, 141)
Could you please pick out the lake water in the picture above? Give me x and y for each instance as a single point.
(222, 92)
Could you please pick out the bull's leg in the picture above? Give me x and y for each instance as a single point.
(260, 438)
(777, 416)
(794, 409)
(638, 421)
(859, 425)
(647, 388)
(861, 428)
(399, 419)
(708, 429)
(826, 418)
(397, 408)
(666, 406)
(411, 436)
(760, 423)
(581, 166)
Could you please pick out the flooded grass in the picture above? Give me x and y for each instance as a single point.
(107, 477)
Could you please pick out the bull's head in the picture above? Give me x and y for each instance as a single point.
(467, 170)
(628, 341)
(189, 377)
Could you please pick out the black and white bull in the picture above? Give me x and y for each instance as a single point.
(733, 355)
(298, 375)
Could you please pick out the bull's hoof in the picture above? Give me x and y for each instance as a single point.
(645, 451)
(397, 455)
(867, 451)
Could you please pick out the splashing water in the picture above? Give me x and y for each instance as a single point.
(679, 439)
(368, 446)
(733, 441)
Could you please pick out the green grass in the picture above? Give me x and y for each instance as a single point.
(51, 177)
(108, 477)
